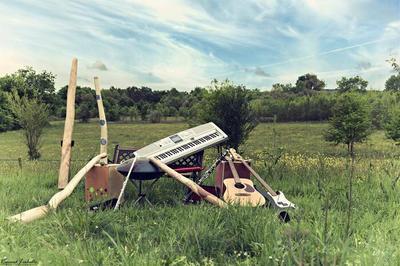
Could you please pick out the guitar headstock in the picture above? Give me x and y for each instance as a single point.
(235, 155)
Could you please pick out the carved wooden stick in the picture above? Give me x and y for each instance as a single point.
(102, 120)
(238, 157)
(41, 211)
(189, 183)
(68, 128)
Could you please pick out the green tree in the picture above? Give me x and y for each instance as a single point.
(393, 83)
(352, 84)
(155, 116)
(227, 105)
(83, 112)
(279, 87)
(27, 82)
(6, 117)
(309, 82)
(144, 108)
(32, 116)
(350, 122)
(133, 113)
(113, 113)
(392, 126)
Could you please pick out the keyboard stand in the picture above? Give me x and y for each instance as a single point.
(142, 195)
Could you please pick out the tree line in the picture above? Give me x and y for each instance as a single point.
(306, 100)
(29, 100)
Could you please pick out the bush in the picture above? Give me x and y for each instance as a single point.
(113, 114)
(392, 127)
(83, 112)
(350, 122)
(155, 116)
(32, 116)
(133, 113)
(227, 105)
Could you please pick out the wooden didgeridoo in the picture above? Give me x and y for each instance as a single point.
(189, 183)
(41, 211)
(102, 121)
(238, 157)
(63, 174)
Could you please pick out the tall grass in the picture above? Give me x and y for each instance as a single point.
(170, 233)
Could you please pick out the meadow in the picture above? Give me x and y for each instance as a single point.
(292, 157)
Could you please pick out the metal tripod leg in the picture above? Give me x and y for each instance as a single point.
(142, 196)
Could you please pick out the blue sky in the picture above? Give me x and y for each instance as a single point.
(184, 44)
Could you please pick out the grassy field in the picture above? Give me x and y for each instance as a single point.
(312, 173)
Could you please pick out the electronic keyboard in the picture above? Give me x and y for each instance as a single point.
(175, 147)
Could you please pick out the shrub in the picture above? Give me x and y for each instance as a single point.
(133, 112)
(155, 116)
(392, 127)
(350, 122)
(32, 116)
(113, 113)
(227, 105)
(83, 112)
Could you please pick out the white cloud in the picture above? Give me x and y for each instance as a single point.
(392, 30)
(185, 44)
(98, 65)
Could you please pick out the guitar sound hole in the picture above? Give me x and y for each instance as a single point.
(239, 185)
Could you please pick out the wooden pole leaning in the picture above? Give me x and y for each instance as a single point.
(238, 157)
(41, 211)
(189, 183)
(102, 121)
(63, 174)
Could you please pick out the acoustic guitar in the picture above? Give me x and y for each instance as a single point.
(276, 198)
(241, 190)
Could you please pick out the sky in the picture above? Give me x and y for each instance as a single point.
(185, 44)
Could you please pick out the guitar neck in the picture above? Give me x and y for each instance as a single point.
(259, 178)
(233, 170)
(254, 173)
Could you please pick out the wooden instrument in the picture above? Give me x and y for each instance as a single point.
(41, 211)
(206, 174)
(63, 174)
(241, 191)
(277, 199)
(189, 183)
(173, 148)
(102, 121)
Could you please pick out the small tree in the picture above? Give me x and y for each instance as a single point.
(352, 84)
(113, 113)
(350, 122)
(83, 112)
(155, 116)
(393, 83)
(32, 116)
(392, 127)
(227, 105)
(309, 82)
(144, 108)
(133, 113)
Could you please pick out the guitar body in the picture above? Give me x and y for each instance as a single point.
(276, 199)
(279, 200)
(243, 193)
